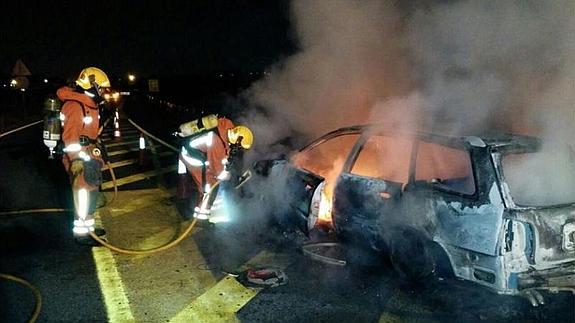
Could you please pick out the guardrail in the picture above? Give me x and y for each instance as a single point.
(154, 137)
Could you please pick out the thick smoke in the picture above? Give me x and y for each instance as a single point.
(508, 66)
(457, 67)
(351, 56)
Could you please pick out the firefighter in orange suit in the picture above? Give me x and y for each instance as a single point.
(82, 157)
(206, 152)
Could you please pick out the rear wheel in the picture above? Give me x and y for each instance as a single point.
(411, 255)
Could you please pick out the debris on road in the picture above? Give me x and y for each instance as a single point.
(327, 252)
(262, 277)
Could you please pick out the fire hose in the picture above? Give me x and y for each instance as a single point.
(21, 281)
(245, 177)
(56, 210)
(104, 243)
(35, 291)
(110, 168)
(171, 244)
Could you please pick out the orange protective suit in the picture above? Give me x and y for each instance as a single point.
(216, 151)
(79, 117)
(74, 125)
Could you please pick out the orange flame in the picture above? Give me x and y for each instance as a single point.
(325, 208)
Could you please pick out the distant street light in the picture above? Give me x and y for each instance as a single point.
(45, 80)
(13, 83)
(131, 77)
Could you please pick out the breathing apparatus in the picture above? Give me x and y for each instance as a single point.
(52, 126)
(198, 126)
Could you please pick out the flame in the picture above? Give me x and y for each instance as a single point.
(325, 207)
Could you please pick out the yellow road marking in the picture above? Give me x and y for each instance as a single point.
(122, 143)
(211, 302)
(123, 138)
(402, 302)
(122, 277)
(122, 151)
(127, 162)
(389, 318)
(218, 304)
(221, 302)
(111, 286)
(138, 177)
(121, 163)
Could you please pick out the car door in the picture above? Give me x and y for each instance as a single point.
(290, 185)
(465, 206)
(369, 190)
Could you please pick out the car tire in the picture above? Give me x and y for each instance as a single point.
(363, 259)
(411, 256)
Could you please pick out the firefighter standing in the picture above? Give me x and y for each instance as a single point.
(82, 157)
(213, 147)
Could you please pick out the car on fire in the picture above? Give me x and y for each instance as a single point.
(424, 199)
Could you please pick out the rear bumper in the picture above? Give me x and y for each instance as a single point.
(556, 279)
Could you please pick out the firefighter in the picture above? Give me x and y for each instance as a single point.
(211, 152)
(82, 157)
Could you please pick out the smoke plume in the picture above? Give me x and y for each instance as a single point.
(456, 67)
(507, 66)
(350, 57)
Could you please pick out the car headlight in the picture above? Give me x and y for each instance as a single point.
(569, 236)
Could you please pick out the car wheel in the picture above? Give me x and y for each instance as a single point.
(411, 256)
(362, 258)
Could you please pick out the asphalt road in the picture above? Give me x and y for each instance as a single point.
(190, 283)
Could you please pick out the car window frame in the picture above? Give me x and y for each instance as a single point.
(498, 156)
(360, 144)
(434, 187)
(355, 130)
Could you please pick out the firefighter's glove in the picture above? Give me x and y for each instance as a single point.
(77, 167)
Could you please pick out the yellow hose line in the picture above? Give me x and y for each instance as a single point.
(55, 210)
(113, 181)
(149, 251)
(154, 250)
(35, 291)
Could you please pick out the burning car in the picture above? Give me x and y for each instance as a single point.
(421, 198)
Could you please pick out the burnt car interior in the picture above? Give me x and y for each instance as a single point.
(446, 169)
(388, 158)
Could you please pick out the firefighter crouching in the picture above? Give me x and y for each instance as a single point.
(212, 152)
(82, 157)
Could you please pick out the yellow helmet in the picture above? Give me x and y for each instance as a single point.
(244, 132)
(91, 75)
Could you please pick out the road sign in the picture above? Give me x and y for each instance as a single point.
(153, 85)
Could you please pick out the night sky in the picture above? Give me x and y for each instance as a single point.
(159, 38)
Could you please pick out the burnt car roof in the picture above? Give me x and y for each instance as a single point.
(503, 142)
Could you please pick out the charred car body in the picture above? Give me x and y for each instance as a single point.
(419, 197)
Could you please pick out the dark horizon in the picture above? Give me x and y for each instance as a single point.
(148, 38)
